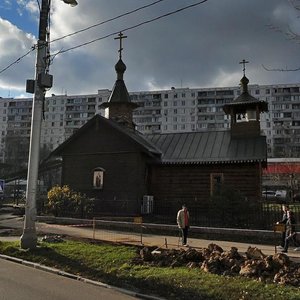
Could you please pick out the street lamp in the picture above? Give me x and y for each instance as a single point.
(42, 81)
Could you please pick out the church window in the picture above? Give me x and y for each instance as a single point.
(216, 182)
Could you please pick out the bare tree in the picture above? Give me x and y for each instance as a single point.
(290, 35)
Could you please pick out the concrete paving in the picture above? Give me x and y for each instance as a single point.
(162, 241)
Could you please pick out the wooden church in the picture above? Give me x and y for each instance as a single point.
(108, 160)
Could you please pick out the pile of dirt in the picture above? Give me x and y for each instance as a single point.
(277, 268)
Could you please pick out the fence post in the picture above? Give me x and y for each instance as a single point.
(94, 228)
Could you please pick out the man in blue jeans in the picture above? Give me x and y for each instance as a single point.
(291, 234)
(183, 217)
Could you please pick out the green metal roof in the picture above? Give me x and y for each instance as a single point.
(209, 147)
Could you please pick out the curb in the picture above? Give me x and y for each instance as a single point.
(79, 278)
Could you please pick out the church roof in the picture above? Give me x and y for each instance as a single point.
(146, 145)
(245, 100)
(119, 92)
(209, 148)
(186, 148)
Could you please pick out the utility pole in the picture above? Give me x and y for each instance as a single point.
(42, 81)
(29, 237)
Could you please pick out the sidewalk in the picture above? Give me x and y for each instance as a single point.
(162, 241)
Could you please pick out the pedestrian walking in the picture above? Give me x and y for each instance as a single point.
(183, 217)
(284, 219)
(291, 234)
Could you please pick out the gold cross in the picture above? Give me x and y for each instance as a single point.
(120, 37)
(244, 62)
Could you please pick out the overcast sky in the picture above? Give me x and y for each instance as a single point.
(198, 47)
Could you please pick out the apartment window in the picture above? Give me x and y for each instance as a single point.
(165, 103)
(183, 95)
(183, 102)
(166, 96)
(175, 103)
(202, 94)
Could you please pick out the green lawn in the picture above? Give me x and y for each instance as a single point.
(112, 264)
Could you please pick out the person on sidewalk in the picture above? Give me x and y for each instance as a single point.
(290, 232)
(284, 219)
(183, 217)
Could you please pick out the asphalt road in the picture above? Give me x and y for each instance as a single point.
(18, 282)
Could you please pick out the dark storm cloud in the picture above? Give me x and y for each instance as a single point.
(198, 47)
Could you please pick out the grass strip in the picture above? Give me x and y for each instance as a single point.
(112, 264)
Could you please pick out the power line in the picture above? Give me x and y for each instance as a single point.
(108, 35)
(106, 21)
(79, 31)
(133, 27)
(18, 59)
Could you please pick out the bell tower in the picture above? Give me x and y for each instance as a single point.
(119, 107)
(245, 111)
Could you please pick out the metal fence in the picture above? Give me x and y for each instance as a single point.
(252, 216)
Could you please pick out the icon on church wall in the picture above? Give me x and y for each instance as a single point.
(98, 179)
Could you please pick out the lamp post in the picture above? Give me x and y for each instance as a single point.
(42, 81)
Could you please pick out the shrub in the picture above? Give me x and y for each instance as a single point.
(64, 202)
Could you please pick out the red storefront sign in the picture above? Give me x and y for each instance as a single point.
(282, 168)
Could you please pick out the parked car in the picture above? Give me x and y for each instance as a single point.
(281, 194)
(17, 194)
(269, 195)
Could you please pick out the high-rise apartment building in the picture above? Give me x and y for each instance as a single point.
(161, 111)
(65, 114)
(179, 110)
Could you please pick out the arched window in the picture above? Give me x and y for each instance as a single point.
(98, 176)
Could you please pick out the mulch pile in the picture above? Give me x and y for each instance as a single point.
(277, 268)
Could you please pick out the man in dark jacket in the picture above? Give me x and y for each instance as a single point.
(284, 219)
(290, 231)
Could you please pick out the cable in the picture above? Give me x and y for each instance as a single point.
(18, 59)
(106, 21)
(108, 35)
(132, 27)
(79, 31)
